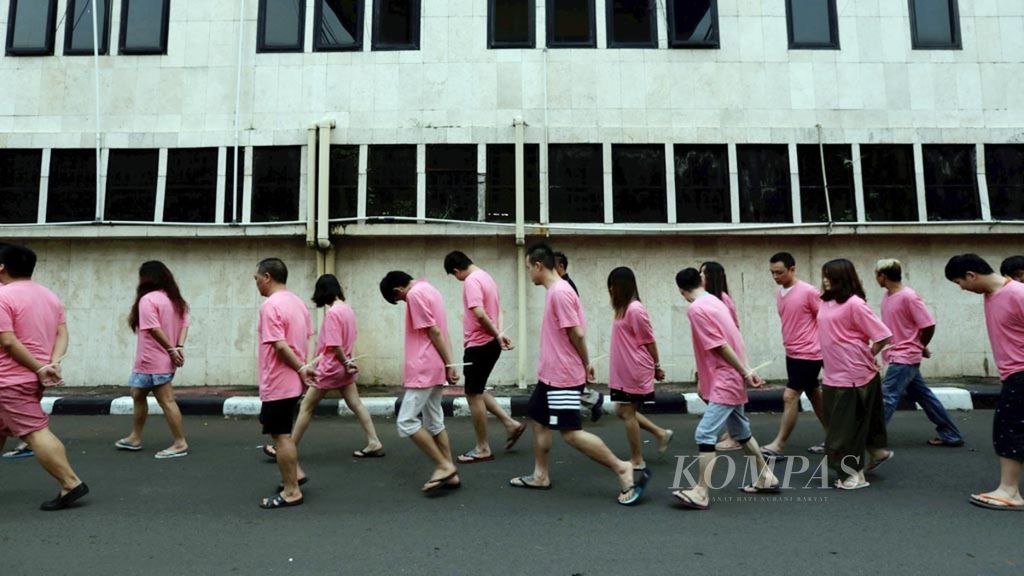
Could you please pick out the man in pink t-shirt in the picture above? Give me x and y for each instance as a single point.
(428, 366)
(284, 332)
(1004, 317)
(912, 327)
(33, 340)
(722, 376)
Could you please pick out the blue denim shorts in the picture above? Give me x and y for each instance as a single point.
(149, 380)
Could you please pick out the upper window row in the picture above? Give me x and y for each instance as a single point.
(31, 27)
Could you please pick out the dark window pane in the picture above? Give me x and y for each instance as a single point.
(396, 24)
(638, 183)
(951, 183)
(71, 195)
(702, 183)
(190, 194)
(281, 25)
(452, 182)
(935, 23)
(144, 26)
(78, 26)
(890, 189)
(19, 185)
(344, 187)
(30, 27)
(1004, 171)
(391, 181)
(812, 24)
(575, 183)
(233, 195)
(839, 168)
(631, 23)
(765, 185)
(693, 23)
(275, 183)
(571, 24)
(131, 185)
(501, 183)
(339, 24)
(511, 23)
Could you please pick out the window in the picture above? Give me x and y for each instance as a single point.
(571, 24)
(275, 183)
(951, 182)
(233, 195)
(812, 24)
(935, 24)
(131, 185)
(452, 181)
(890, 187)
(344, 188)
(692, 23)
(702, 183)
(19, 185)
(632, 24)
(78, 27)
(144, 26)
(190, 194)
(1004, 169)
(281, 26)
(396, 25)
(638, 183)
(338, 25)
(71, 196)
(391, 181)
(765, 185)
(575, 183)
(501, 183)
(511, 24)
(841, 196)
(30, 27)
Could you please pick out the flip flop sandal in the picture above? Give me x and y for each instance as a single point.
(727, 446)
(378, 453)
(472, 458)
(638, 492)
(995, 503)
(843, 485)
(435, 483)
(122, 445)
(62, 502)
(663, 448)
(767, 453)
(18, 453)
(514, 437)
(302, 482)
(751, 489)
(687, 502)
(875, 464)
(268, 452)
(944, 444)
(167, 454)
(817, 449)
(521, 482)
(278, 501)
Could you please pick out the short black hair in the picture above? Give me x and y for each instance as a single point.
(958, 266)
(456, 260)
(274, 267)
(688, 279)
(561, 258)
(394, 279)
(785, 257)
(327, 290)
(1011, 265)
(541, 253)
(18, 261)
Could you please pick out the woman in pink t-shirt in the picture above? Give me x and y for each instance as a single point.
(160, 318)
(712, 276)
(634, 364)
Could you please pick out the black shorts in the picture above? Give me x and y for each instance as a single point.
(483, 359)
(277, 416)
(802, 374)
(1008, 421)
(556, 408)
(623, 397)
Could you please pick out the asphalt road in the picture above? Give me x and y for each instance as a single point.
(199, 514)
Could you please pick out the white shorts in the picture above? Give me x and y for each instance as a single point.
(421, 408)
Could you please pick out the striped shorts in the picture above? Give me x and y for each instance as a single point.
(556, 408)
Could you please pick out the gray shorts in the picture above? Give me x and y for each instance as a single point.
(421, 408)
(149, 380)
(719, 415)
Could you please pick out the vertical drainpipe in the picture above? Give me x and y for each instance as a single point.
(520, 128)
(237, 178)
(100, 194)
(311, 189)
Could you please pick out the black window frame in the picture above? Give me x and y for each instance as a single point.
(757, 209)
(377, 46)
(721, 190)
(149, 51)
(318, 15)
(493, 44)
(121, 194)
(60, 209)
(570, 209)
(261, 28)
(549, 24)
(833, 26)
(446, 197)
(652, 205)
(674, 42)
(943, 201)
(872, 189)
(265, 206)
(399, 207)
(343, 188)
(23, 160)
(192, 188)
(1005, 183)
(103, 29)
(234, 184)
(954, 14)
(842, 192)
(505, 190)
(610, 27)
(51, 31)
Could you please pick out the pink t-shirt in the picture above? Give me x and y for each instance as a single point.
(846, 332)
(1004, 317)
(713, 327)
(631, 365)
(33, 313)
(727, 300)
(338, 331)
(905, 314)
(283, 317)
(424, 308)
(157, 311)
(560, 365)
(479, 291)
(798, 310)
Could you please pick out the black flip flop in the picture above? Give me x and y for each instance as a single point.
(436, 483)
(751, 489)
(278, 501)
(514, 437)
(687, 502)
(268, 453)
(62, 502)
(378, 453)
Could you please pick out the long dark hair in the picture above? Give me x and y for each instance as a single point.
(622, 289)
(843, 281)
(714, 278)
(327, 290)
(153, 276)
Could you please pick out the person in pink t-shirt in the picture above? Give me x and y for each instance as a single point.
(160, 318)
(716, 283)
(33, 340)
(562, 373)
(428, 366)
(913, 327)
(1013, 268)
(722, 378)
(1004, 318)
(484, 340)
(634, 365)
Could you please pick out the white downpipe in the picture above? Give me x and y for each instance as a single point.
(323, 189)
(311, 153)
(824, 177)
(235, 200)
(521, 248)
(100, 194)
